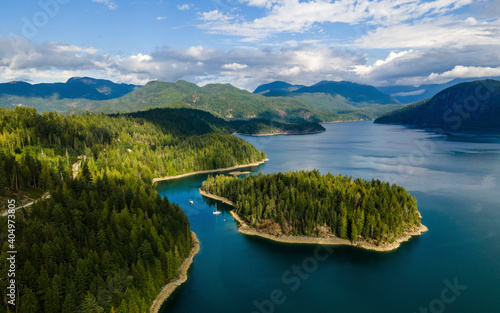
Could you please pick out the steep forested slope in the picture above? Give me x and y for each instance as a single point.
(472, 105)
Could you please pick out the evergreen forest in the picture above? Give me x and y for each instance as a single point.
(104, 240)
(306, 203)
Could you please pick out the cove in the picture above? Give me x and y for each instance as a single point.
(455, 179)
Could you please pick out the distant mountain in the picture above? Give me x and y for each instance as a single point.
(323, 102)
(76, 93)
(276, 89)
(344, 101)
(410, 94)
(352, 92)
(231, 103)
(75, 88)
(222, 100)
(471, 105)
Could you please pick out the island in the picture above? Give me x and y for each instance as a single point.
(307, 207)
(261, 127)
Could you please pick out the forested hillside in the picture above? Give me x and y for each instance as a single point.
(104, 241)
(308, 203)
(466, 106)
(319, 104)
(222, 100)
(336, 101)
(279, 101)
(197, 122)
(99, 244)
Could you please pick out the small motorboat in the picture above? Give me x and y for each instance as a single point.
(216, 212)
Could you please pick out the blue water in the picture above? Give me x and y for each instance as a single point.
(455, 180)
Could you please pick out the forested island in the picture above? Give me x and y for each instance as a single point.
(267, 128)
(307, 207)
(104, 241)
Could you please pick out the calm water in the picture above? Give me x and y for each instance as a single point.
(455, 180)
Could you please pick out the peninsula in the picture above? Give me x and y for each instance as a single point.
(306, 207)
(223, 169)
(260, 127)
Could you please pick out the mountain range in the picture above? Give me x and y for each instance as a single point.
(326, 101)
(74, 88)
(352, 92)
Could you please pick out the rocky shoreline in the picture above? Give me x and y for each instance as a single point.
(246, 229)
(169, 288)
(210, 171)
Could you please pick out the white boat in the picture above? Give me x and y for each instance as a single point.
(191, 201)
(216, 212)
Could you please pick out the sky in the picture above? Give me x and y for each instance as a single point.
(250, 42)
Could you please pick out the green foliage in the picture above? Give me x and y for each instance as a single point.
(307, 203)
(37, 149)
(335, 108)
(184, 121)
(221, 100)
(335, 101)
(228, 102)
(104, 240)
(90, 246)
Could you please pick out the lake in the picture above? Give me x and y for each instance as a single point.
(454, 267)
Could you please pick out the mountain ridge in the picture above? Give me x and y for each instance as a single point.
(353, 92)
(469, 105)
(74, 88)
(222, 100)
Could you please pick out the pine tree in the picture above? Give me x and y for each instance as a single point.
(90, 304)
(28, 302)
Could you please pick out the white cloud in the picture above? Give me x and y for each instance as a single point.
(234, 66)
(215, 16)
(243, 67)
(184, 6)
(460, 71)
(247, 67)
(141, 57)
(409, 93)
(431, 34)
(293, 16)
(259, 3)
(366, 70)
(75, 49)
(160, 18)
(109, 3)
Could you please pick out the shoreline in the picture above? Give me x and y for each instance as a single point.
(169, 288)
(224, 200)
(339, 121)
(210, 171)
(246, 229)
(282, 133)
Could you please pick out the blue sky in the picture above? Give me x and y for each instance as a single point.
(250, 42)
